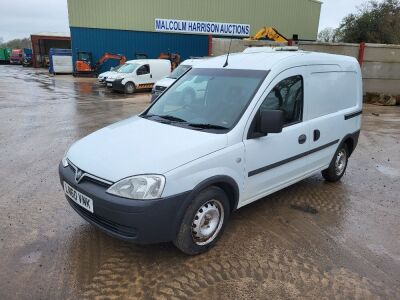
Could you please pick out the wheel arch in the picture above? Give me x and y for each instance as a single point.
(226, 183)
(351, 141)
(130, 81)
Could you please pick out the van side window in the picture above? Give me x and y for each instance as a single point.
(287, 96)
(143, 70)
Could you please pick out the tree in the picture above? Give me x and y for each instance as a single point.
(373, 23)
(327, 35)
(17, 43)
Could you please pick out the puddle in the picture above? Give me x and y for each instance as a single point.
(388, 171)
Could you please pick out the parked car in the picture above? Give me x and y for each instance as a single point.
(138, 75)
(16, 57)
(103, 76)
(161, 85)
(177, 171)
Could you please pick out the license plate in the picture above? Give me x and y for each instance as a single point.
(109, 84)
(78, 197)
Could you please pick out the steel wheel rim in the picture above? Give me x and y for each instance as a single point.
(207, 222)
(129, 87)
(340, 163)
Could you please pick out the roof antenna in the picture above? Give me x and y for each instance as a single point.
(227, 57)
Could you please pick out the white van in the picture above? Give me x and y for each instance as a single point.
(103, 76)
(177, 171)
(161, 85)
(138, 74)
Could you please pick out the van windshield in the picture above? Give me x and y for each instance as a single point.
(179, 71)
(127, 68)
(207, 99)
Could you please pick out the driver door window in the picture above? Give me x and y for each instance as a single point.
(287, 96)
(143, 70)
(277, 158)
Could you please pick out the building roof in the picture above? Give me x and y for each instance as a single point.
(54, 34)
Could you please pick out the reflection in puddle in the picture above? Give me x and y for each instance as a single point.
(388, 171)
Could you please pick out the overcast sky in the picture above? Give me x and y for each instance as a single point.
(20, 18)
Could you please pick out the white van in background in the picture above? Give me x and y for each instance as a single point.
(138, 74)
(227, 133)
(103, 76)
(161, 85)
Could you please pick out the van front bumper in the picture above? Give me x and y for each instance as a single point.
(139, 221)
(117, 85)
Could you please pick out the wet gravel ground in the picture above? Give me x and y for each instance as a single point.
(312, 240)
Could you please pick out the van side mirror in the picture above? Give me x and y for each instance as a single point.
(270, 121)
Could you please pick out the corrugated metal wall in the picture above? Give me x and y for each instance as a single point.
(288, 16)
(128, 43)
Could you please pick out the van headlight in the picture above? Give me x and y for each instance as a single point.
(139, 187)
(64, 160)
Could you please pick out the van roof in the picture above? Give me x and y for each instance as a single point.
(147, 61)
(265, 58)
(193, 61)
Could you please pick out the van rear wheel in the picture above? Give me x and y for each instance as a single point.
(338, 165)
(130, 88)
(204, 222)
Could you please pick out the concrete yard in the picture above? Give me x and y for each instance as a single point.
(272, 249)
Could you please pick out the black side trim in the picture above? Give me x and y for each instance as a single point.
(280, 163)
(353, 115)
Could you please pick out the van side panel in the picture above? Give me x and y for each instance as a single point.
(333, 96)
(332, 92)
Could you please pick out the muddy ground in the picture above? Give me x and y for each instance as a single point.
(271, 250)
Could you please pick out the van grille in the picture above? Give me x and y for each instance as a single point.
(89, 177)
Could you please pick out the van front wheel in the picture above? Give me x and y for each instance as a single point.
(129, 88)
(338, 165)
(204, 221)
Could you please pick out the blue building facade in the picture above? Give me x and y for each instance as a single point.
(128, 43)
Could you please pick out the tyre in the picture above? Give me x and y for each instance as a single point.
(204, 221)
(129, 88)
(338, 165)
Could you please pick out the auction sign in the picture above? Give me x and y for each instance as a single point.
(200, 27)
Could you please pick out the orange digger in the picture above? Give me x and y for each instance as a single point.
(84, 63)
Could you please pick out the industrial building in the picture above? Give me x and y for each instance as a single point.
(43, 42)
(151, 26)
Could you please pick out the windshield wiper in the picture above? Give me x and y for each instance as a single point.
(165, 117)
(208, 126)
(172, 118)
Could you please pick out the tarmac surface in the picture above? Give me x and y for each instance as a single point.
(311, 240)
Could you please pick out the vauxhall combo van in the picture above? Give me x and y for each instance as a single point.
(255, 123)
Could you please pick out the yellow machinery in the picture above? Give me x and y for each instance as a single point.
(269, 33)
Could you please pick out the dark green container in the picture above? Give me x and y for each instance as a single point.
(5, 55)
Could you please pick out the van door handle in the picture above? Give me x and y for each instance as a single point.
(302, 139)
(317, 135)
(151, 75)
